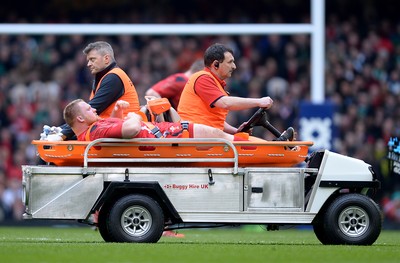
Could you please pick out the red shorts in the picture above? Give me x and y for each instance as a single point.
(167, 130)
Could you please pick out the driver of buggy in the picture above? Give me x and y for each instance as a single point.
(204, 99)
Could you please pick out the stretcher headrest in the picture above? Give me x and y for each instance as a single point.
(159, 110)
(158, 105)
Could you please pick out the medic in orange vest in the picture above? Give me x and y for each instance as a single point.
(110, 84)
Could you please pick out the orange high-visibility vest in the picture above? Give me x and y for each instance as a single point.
(192, 108)
(130, 94)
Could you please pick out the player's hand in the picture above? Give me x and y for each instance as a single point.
(121, 104)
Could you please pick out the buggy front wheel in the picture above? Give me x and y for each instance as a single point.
(352, 219)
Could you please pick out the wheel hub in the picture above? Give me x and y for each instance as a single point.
(353, 221)
(136, 221)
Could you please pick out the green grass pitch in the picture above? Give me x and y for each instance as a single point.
(251, 244)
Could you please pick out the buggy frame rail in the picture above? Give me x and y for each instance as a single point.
(161, 142)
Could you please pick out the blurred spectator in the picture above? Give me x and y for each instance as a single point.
(391, 206)
(172, 86)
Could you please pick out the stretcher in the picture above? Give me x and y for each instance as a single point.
(170, 152)
(194, 152)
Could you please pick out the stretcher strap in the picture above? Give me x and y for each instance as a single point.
(154, 129)
(185, 129)
(87, 135)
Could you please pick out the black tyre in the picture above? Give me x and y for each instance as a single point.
(135, 218)
(350, 219)
(102, 225)
(319, 229)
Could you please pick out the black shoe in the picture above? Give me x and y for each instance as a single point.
(287, 135)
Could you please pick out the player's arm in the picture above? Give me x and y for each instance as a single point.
(132, 125)
(118, 111)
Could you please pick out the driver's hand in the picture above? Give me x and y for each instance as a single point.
(266, 102)
(250, 131)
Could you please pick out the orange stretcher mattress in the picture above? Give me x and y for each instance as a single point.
(253, 153)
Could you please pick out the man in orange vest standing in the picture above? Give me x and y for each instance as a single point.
(204, 99)
(110, 84)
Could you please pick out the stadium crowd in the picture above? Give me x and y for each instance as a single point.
(39, 75)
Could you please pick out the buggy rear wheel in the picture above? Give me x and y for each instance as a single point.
(103, 217)
(136, 218)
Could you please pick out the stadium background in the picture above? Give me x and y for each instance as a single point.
(40, 74)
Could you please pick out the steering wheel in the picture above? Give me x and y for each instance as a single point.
(260, 118)
(254, 120)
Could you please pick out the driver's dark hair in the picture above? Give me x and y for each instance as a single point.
(215, 52)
